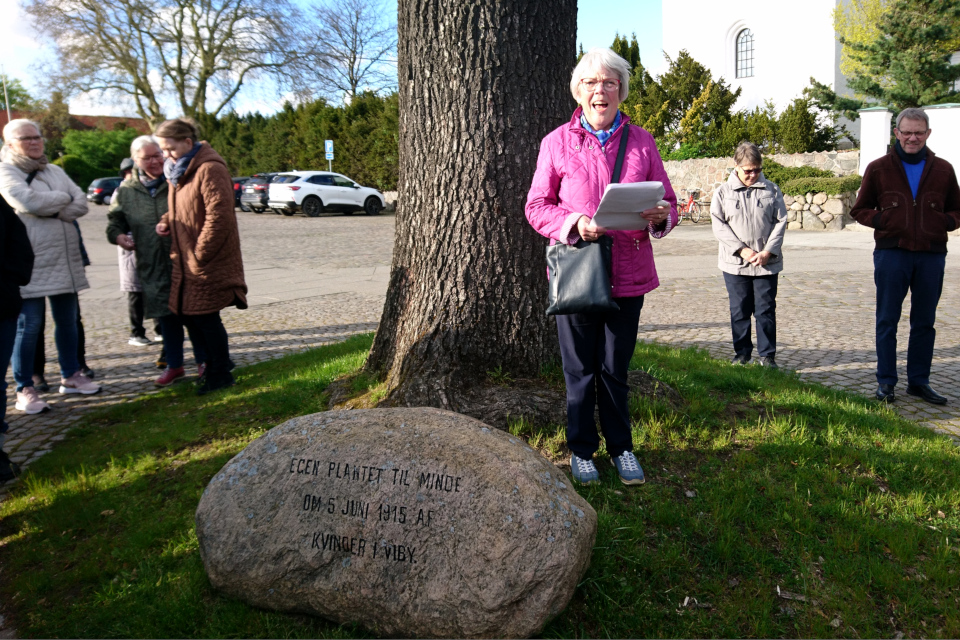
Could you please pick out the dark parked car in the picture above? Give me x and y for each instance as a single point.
(101, 190)
(238, 191)
(255, 192)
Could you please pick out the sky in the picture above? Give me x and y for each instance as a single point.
(598, 21)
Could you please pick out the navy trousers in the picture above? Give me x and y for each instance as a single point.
(753, 296)
(596, 349)
(210, 332)
(896, 271)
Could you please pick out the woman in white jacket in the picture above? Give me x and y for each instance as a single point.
(47, 201)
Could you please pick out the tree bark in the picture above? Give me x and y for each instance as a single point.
(481, 82)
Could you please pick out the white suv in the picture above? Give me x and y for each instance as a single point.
(314, 192)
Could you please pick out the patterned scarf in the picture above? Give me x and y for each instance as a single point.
(601, 135)
(174, 169)
(151, 185)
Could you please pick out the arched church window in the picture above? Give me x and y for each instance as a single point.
(745, 54)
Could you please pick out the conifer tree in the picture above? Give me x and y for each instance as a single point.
(907, 65)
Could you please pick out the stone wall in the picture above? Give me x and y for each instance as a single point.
(819, 211)
(706, 174)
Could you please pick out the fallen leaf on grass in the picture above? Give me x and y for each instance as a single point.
(691, 494)
(787, 595)
(107, 512)
(941, 514)
(836, 622)
(693, 603)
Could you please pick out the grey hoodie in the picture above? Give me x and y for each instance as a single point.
(754, 217)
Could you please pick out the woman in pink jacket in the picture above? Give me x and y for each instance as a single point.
(575, 165)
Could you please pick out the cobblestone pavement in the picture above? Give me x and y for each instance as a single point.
(317, 280)
(312, 281)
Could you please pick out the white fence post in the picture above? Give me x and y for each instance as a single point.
(945, 136)
(874, 134)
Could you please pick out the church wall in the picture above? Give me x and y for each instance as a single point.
(792, 42)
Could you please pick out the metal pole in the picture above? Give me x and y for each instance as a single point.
(330, 166)
(6, 100)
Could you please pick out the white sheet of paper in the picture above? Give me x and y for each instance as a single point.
(622, 204)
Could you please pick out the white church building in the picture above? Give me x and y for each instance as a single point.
(769, 50)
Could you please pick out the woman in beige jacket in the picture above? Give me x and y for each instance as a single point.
(47, 202)
(749, 219)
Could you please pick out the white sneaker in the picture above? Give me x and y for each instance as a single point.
(158, 338)
(29, 401)
(137, 341)
(78, 383)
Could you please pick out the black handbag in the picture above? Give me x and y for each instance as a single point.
(580, 273)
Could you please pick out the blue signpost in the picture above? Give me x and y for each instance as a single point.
(328, 147)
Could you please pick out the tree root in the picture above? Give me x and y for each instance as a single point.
(497, 404)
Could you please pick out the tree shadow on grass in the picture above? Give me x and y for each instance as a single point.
(98, 538)
(810, 490)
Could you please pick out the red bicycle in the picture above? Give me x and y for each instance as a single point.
(691, 208)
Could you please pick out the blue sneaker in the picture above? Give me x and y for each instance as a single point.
(628, 468)
(584, 471)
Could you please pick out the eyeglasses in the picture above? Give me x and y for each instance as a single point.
(914, 134)
(30, 139)
(590, 84)
(156, 156)
(750, 172)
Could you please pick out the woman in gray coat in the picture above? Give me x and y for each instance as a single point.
(749, 219)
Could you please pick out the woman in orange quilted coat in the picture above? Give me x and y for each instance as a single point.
(205, 243)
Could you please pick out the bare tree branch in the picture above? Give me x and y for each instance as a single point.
(359, 42)
(197, 52)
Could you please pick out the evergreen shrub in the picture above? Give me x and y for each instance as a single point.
(831, 186)
(779, 174)
(78, 169)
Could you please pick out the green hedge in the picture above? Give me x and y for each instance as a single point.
(780, 175)
(79, 170)
(830, 186)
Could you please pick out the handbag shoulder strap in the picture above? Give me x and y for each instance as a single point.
(33, 174)
(621, 152)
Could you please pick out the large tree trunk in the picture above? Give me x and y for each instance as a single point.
(481, 82)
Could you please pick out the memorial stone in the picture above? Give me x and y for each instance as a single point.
(409, 522)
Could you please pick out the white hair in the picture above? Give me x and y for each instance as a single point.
(140, 142)
(601, 59)
(11, 128)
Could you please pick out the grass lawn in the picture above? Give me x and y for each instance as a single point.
(757, 483)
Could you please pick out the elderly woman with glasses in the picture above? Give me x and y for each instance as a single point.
(47, 202)
(749, 219)
(576, 164)
(137, 208)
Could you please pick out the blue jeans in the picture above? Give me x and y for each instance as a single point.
(753, 296)
(172, 328)
(64, 309)
(8, 334)
(596, 349)
(895, 272)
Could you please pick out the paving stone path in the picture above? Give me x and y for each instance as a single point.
(318, 280)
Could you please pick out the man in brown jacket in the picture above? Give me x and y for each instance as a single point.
(911, 198)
